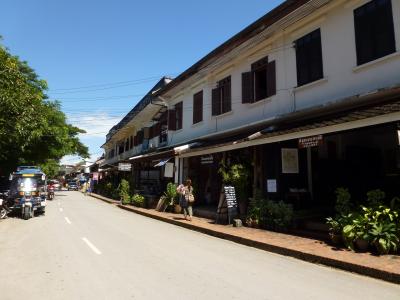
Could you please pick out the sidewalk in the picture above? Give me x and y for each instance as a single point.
(386, 267)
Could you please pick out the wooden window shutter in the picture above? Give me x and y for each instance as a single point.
(216, 102)
(146, 133)
(198, 107)
(248, 87)
(151, 132)
(178, 115)
(157, 129)
(171, 120)
(226, 101)
(135, 140)
(271, 79)
(259, 63)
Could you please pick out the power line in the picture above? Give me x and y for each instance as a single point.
(138, 80)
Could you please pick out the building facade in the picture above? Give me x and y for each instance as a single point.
(307, 97)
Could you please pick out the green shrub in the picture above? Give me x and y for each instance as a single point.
(171, 194)
(123, 191)
(343, 204)
(270, 214)
(138, 200)
(375, 198)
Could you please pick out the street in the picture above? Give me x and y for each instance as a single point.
(86, 249)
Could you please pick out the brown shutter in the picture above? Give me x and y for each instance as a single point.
(260, 63)
(248, 87)
(135, 140)
(198, 107)
(178, 115)
(226, 101)
(146, 133)
(157, 129)
(151, 132)
(216, 102)
(271, 79)
(171, 120)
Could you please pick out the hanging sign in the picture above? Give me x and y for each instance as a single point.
(207, 160)
(312, 141)
(124, 167)
(95, 176)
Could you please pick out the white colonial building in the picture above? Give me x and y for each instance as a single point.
(308, 96)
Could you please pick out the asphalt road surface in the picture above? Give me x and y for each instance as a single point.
(86, 249)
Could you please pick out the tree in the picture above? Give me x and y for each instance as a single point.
(33, 129)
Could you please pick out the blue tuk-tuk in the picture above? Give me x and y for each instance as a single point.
(28, 189)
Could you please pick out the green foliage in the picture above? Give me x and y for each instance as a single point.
(171, 194)
(385, 237)
(51, 168)
(270, 214)
(124, 191)
(236, 175)
(375, 198)
(375, 223)
(33, 130)
(138, 200)
(343, 204)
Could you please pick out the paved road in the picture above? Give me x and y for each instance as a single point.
(86, 249)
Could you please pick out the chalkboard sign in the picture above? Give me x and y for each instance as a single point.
(228, 205)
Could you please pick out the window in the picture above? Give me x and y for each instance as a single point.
(309, 58)
(260, 83)
(198, 107)
(221, 97)
(373, 23)
(178, 115)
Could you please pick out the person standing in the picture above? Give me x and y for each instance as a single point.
(186, 199)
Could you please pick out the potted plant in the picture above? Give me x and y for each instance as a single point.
(138, 200)
(384, 237)
(170, 197)
(335, 230)
(123, 192)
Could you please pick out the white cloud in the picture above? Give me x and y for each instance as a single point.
(96, 124)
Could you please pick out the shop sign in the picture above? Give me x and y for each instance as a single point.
(207, 160)
(95, 176)
(124, 167)
(312, 141)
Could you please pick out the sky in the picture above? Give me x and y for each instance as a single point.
(101, 57)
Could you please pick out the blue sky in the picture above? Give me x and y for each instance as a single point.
(100, 57)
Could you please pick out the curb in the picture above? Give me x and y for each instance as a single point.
(312, 258)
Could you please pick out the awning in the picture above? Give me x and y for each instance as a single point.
(152, 156)
(162, 162)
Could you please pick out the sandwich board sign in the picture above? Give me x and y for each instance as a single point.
(124, 167)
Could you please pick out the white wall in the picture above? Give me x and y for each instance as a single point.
(341, 76)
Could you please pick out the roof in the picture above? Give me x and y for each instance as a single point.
(138, 107)
(29, 171)
(250, 31)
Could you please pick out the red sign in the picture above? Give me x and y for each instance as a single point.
(312, 141)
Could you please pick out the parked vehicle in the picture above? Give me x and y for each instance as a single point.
(28, 191)
(50, 191)
(56, 184)
(72, 186)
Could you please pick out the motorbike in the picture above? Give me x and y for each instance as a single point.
(4, 205)
(50, 192)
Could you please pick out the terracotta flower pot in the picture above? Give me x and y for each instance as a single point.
(177, 208)
(361, 244)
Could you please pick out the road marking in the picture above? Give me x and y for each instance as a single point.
(91, 246)
(67, 220)
(61, 209)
